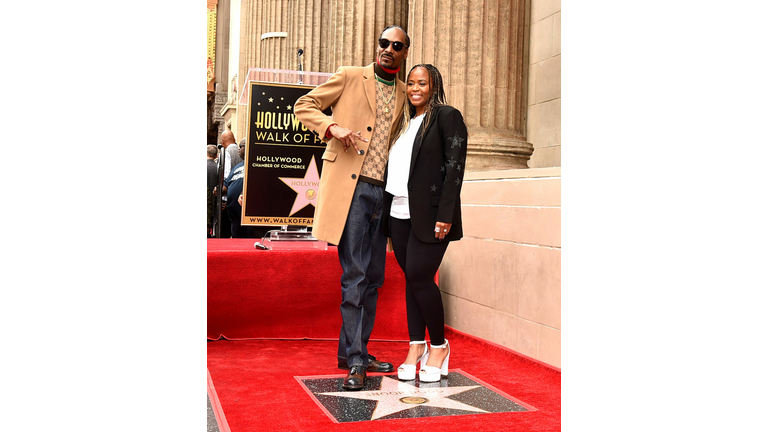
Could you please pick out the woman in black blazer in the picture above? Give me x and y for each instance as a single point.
(422, 212)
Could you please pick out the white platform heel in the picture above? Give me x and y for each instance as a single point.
(432, 373)
(408, 371)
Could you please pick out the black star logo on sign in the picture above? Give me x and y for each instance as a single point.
(269, 101)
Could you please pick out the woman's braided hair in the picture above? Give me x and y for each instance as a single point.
(436, 98)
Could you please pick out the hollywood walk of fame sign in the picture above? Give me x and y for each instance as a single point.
(385, 397)
(282, 159)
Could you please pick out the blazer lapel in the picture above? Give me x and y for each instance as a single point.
(419, 139)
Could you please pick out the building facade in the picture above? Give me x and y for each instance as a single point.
(500, 62)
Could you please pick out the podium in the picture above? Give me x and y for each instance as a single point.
(282, 159)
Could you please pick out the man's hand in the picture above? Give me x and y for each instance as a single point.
(347, 137)
(240, 200)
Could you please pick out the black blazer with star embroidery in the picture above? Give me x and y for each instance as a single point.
(436, 176)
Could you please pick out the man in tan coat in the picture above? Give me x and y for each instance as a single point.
(367, 102)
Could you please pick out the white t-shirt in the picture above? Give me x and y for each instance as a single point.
(398, 168)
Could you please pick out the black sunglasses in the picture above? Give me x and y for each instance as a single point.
(397, 46)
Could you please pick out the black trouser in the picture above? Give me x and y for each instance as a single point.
(420, 261)
(226, 224)
(233, 211)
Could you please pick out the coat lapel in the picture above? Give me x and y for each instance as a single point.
(369, 84)
(399, 100)
(399, 107)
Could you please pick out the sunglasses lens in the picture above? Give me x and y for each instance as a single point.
(384, 43)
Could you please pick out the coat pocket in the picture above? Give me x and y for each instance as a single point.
(435, 199)
(329, 156)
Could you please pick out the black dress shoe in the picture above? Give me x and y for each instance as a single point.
(373, 366)
(355, 378)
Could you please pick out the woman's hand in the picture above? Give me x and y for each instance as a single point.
(441, 230)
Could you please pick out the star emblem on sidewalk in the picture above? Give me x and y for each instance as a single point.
(384, 397)
(395, 396)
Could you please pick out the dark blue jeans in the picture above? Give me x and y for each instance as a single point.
(362, 254)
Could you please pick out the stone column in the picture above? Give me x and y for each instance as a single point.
(222, 42)
(332, 33)
(256, 18)
(356, 26)
(480, 48)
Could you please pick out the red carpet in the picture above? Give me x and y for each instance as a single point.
(255, 293)
(283, 295)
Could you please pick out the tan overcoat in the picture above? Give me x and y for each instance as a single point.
(351, 95)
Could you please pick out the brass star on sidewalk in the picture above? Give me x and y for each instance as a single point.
(395, 396)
